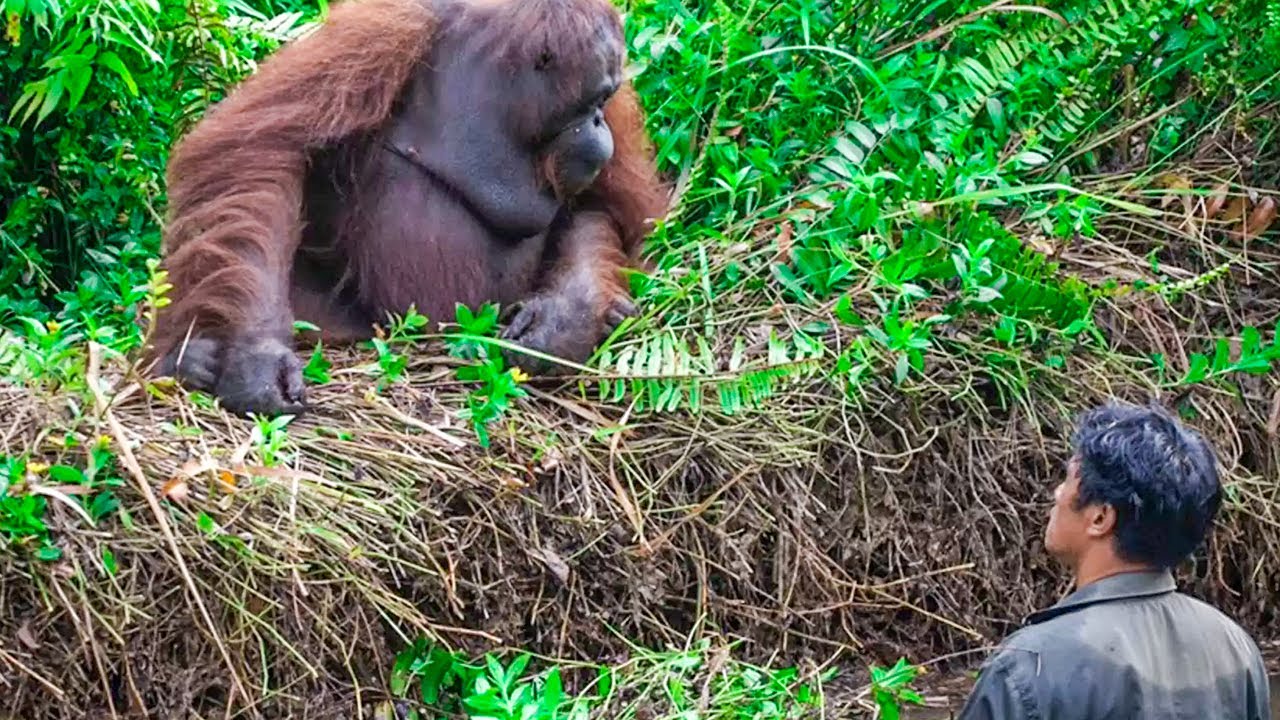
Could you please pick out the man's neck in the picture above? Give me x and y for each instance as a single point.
(1096, 567)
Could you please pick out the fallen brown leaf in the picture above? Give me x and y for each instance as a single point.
(176, 489)
(1216, 200)
(1264, 213)
(554, 563)
(26, 637)
(227, 481)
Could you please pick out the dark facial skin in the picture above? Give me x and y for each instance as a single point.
(579, 152)
(514, 168)
(1083, 538)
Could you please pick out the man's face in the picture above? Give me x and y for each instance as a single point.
(1066, 535)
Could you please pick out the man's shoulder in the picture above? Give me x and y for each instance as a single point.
(1123, 655)
(1115, 648)
(1057, 638)
(1059, 633)
(1216, 623)
(1027, 672)
(1085, 628)
(1207, 612)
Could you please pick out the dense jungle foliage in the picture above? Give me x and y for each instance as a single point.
(878, 146)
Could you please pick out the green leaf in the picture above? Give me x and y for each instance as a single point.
(604, 680)
(845, 310)
(1221, 355)
(205, 523)
(1256, 365)
(48, 553)
(79, 76)
(112, 62)
(29, 99)
(109, 562)
(464, 317)
(485, 700)
(987, 295)
(901, 369)
(67, 474)
(317, 369)
(517, 667)
(1250, 341)
(102, 504)
(1030, 158)
(495, 667)
(51, 98)
(863, 134)
(851, 152)
(1198, 369)
(433, 676)
(552, 693)
(400, 670)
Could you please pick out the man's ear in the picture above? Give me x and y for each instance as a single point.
(1102, 520)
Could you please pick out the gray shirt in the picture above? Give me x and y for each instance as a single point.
(1127, 647)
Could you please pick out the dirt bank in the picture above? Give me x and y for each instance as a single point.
(909, 527)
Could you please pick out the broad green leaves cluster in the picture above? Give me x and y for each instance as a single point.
(691, 684)
(856, 171)
(97, 91)
(88, 491)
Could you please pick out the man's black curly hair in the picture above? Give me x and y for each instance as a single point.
(1159, 475)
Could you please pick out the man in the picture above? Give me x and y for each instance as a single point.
(1140, 493)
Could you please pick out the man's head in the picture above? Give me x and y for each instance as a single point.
(1141, 490)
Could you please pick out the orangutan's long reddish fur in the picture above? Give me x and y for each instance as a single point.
(629, 185)
(232, 234)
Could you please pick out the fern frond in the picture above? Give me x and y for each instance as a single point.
(660, 373)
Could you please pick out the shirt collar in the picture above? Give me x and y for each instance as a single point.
(1122, 586)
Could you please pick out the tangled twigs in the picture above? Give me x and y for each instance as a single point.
(93, 376)
(16, 663)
